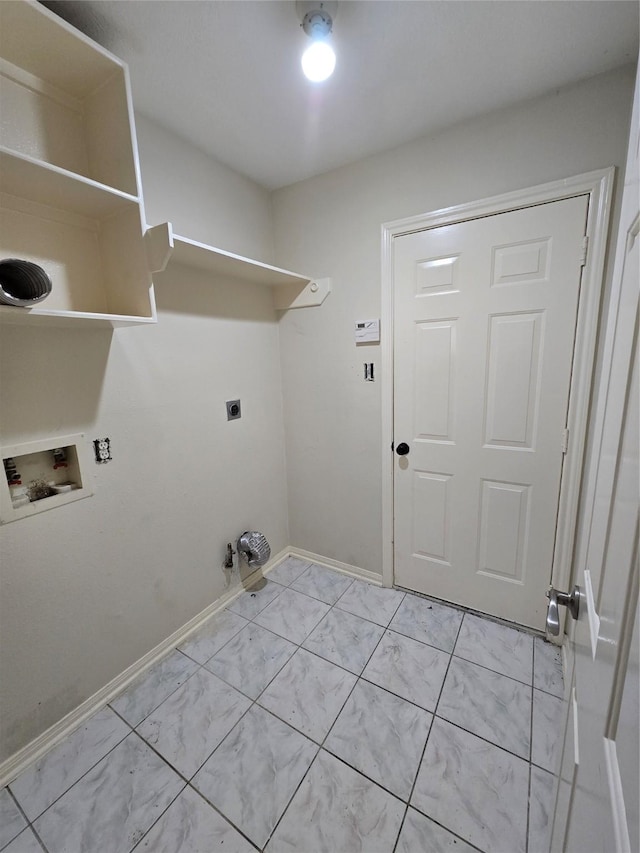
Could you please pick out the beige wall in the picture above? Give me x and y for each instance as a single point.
(89, 588)
(331, 225)
(203, 199)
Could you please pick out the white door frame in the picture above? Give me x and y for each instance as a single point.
(599, 186)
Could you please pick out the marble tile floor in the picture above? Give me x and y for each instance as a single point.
(320, 714)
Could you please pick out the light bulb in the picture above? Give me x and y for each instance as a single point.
(318, 61)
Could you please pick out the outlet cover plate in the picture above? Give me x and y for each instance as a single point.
(234, 410)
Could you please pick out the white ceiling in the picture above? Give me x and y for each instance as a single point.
(225, 74)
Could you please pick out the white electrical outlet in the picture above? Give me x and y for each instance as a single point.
(102, 450)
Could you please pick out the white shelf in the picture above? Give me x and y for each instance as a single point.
(291, 289)
(69, 62)
(70, 195)
(44, 183)
(69, 319)
(199, 255)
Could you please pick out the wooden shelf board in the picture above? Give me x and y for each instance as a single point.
(207, 258)
(39, 41)
(69, 319)
(44, 183)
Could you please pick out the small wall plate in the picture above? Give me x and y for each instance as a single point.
(233, 410)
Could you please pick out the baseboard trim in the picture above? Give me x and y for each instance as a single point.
(11, 767)
(345, 568)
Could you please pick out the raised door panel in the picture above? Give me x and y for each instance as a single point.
(434, 378)
(513, 392)
(432, 516)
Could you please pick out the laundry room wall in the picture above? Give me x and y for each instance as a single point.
(89, 588)
(331, 226)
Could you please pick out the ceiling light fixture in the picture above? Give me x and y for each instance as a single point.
(319, 59)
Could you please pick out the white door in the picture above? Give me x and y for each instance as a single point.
(484, 324)
(598, 795)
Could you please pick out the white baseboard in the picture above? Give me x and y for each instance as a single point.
(345, 568)
(19, 761)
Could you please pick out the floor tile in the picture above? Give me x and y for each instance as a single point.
(213, 636)
(308, 693)
(336, 810)
(111, 807)
(288, 570)
(489, 705)
(548, 713)
(382, 736)
(26, 842)
(498, 647)
(153, 687)
(46, 780)
(12, 820)
(190, 825)
(252, 601)
(547, 667)
(345, 639)
(540, 810)
(292, 615)
(322, 583)
(371, 602)
(189, 725)
(421, 835)
(428, 621)
(473, 788)
(254, 772)
(410, 669)
(251, 659)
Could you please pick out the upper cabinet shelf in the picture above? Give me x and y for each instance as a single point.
(291, 290)
(46, 184)
(65, 100)
(70, 195)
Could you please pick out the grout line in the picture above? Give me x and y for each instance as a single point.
(523, 629)
(367, 777)
(29, 825)
(424, 748)
(37, 837)
(242, 627)
(442, 826)
(142, 677)
(188, 780)
(160, 816)
(73, 784)
(494, 671)
(223, 816)
(275, 675)
(480, 737)
(434, 711)
(402, 822)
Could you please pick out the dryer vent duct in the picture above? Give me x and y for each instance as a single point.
(254, 548)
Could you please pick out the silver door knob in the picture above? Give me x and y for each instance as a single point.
(566, 599)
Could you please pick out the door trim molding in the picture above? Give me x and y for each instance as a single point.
(599, 186)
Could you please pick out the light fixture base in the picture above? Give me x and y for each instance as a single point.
(305, 9)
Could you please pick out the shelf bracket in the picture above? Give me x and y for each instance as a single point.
(158, 242)
(292, 296)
